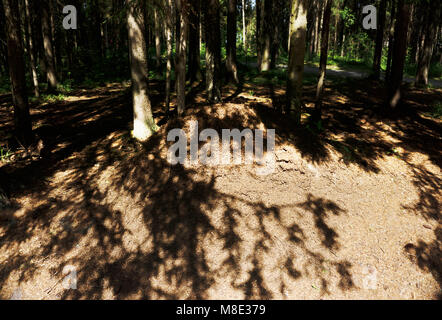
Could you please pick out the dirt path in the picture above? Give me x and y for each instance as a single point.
(351, 213)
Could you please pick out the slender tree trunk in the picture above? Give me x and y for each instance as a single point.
(390, 40)
(32, 59)
(213, 50)
(244, 30)
(144, 124)
(426, 53)
(157, 37)
(169, 47)
(22, 119)
(194, 68)
(231, 41)
(399, 53)
(323, 59)
(379, 40)
(258, 31)
(297, 35)
(183, 9)
(48, 47)
(266, 40)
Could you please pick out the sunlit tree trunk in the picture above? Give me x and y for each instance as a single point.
(295, 71)
(258, 31)
(399, 53)
(22, 120)
(144, 124)
(231, 41)
(323, 59)
(244, 30)
(213, 50)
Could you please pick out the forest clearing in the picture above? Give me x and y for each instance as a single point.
(92, 208)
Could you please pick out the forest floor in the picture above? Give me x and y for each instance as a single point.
(352, 210)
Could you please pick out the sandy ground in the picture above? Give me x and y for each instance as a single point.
(351, 214)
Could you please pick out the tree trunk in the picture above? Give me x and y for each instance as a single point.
(390, 40)
(231, 41)
(297, 35)
(266, 39)
(48, 47)
(323, 59)
(32, 58)
(379, 40)
(22, 119)
(399, 53)
(157, 37)
(194, 69)
(426, 53)
(169, 47)
(258, 31)
(182, 8)
(213, 50)
(244, 30)
(144, 124)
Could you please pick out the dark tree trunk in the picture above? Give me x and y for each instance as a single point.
(390, 40)
(213, 50)
(182, 8)
(22, 119)
(430, 39)
(399, 53)
(231, 41)
(48, 47)
(323, 59)
(194, 69)
(379, 40)
(266, 36)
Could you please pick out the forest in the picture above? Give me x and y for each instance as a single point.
(343, 99)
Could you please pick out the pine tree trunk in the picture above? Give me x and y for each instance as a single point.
(194, 69)
(32, 59)
(144, 124)
(297, 35)
(399, 53)
(323, 59)
(157, 37)
(231, 41)
(427, 49)
(379, 40)
(48, 47)
(22, 119)
(213, 50)
(390, 40)
(244, 30)
(169, 47)
(266, 38)
(182, 8)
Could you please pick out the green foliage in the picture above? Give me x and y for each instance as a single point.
(5, 154)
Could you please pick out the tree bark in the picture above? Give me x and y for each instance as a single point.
(213, 50)
(231, 66)
(169, 47)
(323, 58)
(194, 68)
(266, 36)
(426, 53)
(244, 30)
(297, 35)
(258, 31)
(379, 40)
(390, 40)
(399, 53)
(32, 58)
(183, 9)
(157, 37)
(22, 119)
(48, 47)
(144, 124)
